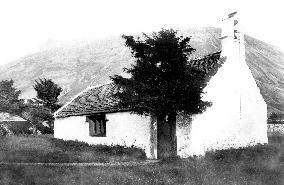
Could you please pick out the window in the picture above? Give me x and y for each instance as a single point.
(97, 125)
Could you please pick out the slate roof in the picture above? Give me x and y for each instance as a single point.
(100, 99)
(208, 62)
(96, 99)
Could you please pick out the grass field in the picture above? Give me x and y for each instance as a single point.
(45, 148)
(259, 165)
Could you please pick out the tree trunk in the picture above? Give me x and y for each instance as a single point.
(172, 122)
(166, 137)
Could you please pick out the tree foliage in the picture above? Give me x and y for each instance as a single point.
(161, 80)
(40, 110)
(47, 93)
(9, 98)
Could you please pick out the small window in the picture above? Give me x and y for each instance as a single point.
(97, 125)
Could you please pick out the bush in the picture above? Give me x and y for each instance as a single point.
(15, 128)
(41, 118)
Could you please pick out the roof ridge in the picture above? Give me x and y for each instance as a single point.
(80, 93)
(99, 85)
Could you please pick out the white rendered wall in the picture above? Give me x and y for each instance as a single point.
(238, 115)
(122, 128)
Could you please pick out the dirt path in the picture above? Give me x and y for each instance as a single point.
(133, 163)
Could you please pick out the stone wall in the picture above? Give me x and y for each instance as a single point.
(275, 129)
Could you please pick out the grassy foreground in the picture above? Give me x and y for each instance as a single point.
(48, 149)
(260, 165)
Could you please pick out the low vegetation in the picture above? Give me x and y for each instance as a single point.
(44, 148)
(259, 165)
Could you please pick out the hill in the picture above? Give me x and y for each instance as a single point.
(76, 65)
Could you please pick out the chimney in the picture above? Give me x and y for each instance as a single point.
(233, 47)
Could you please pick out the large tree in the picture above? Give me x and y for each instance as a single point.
(47, 93)
(162, 84)
(9, 98)
(40, 110)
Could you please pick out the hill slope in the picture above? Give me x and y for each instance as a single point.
(78, 65)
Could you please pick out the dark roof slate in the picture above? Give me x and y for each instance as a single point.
(94, 100)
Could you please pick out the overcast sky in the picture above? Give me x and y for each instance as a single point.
(26, 24)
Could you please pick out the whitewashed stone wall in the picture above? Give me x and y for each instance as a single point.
(122, 128)
(238, 115)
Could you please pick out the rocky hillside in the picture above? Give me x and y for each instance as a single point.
(77, 65)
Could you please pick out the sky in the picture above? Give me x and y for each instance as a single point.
(25, 25)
